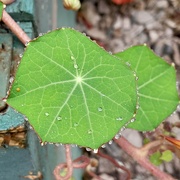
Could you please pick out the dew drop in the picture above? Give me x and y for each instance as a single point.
(88, 149)
(40, 34)
(11, 79)
(122, 129)
(72, 57)
(21, 55)
(137, 106)
(75, 66)
(76, 124)
(110, 142)
(128, 64)
(27, 43)
(103, 146)
(137, 78)
(95, 151)
(119, 118)
(59, 118)
(46, 114)
(110, 52)
(133, 119)
(117, 136)
(90, 131)
(100, 109)
(42, 143)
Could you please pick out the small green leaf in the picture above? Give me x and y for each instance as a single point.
(72, 91)
(158, 96)
(155, 158)
(166, 156)
(1, 9)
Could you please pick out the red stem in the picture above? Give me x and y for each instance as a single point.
(116, 164)
(14, 27)
(69, 166)
(81, 162)
(143, 161)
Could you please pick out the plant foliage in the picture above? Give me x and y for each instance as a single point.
(73, 91)
(158, 95)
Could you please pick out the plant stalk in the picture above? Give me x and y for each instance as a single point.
(136, 154)
(15, 28)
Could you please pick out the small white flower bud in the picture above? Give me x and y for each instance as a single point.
(72, 4)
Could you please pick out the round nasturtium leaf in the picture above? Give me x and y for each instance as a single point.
(158, 95)
(72, 91)
(1, 9)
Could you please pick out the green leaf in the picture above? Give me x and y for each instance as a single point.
(155, 158)
(72, 91)
(1, 9)
(158, 96)
(166, 156)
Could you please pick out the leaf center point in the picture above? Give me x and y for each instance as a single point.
(78, 79)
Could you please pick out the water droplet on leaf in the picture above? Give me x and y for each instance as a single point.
(128, 64)
(90, 131)
(95, 151)
(133, 119)
(11, 79)
(119, 118)
(75, 66)
(88, 149)
(137, 106)
(27, 43)
(59, 118)
(46, 114)
(103, 146)
(100, 109)
(117, 136)
(21, 55)
(72, 57)
(76, 124)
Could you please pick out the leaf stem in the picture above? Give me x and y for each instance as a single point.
(81, 162)
(69, 166)
(116, 164)
(136, 154)
(15, 28)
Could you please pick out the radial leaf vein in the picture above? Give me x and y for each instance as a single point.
(54, 62)
(105, 96)
(151, 80)
(154, 98)
(87, 109)
(60, 109)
